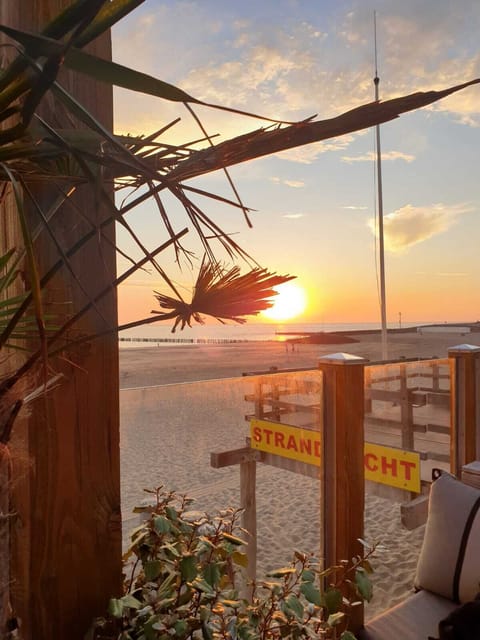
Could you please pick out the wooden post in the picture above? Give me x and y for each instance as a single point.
(435, 377)
(406, 411)
(248, 502)
(368, 386)
(247, 459)
(464, 406)
(66, 542)
(343, 478)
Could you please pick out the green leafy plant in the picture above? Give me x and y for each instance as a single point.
(186, 580)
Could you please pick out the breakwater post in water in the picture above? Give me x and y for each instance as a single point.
(185, 340)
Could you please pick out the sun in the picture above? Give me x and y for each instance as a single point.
(289, 302)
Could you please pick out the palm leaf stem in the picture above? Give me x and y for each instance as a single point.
(263, 142)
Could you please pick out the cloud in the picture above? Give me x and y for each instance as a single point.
(387, 155)
(444, 274)
(296, 184)
(411, 225)
(311, 152)
(293, 216)
(354, 207)
(299, 65)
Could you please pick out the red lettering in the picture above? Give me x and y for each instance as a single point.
(389, 466)
(371, 466)
(257, 434)
(408, 466)
(291, 444)
(317, 450)
(268, 433)
(305, 446)
(279, 440)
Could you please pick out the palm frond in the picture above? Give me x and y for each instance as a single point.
(226, 295)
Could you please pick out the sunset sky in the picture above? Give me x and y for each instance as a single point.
(315, 205)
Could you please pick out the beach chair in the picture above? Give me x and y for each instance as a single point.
(448, 569)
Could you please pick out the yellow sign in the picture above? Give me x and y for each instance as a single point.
(394, 467)
(387, 465)
(290, 442)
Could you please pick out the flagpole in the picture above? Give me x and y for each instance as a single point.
(381, 247)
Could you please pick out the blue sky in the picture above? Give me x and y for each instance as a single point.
(315, 205)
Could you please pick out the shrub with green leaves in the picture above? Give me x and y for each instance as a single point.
(186, 580)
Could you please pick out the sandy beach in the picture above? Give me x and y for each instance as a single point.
(180, 403)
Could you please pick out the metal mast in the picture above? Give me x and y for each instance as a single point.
(381, 248)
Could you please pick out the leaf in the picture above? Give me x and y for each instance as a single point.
(171, 549)
(224, 295)
(367, 566)
(130, 602)
(161, 524)
(181, 627)
(203, 586)
(172, 513)
(233, 604)
(307, 576)
(152, 569)
(335, 618)
(164, 590)
(311, 593)
(240, 558)
(206, 631)
(109, 14)
(332, 600)
(188, 568)
(233, 539)
(364, 585)
(280, 573)
(295, 605)
(212, 574)
(348, 635)
(116, 606)
(102, 70)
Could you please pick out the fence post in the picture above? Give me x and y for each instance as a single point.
(465, 406)
(248, 502)
(406, 411)
(343, 486)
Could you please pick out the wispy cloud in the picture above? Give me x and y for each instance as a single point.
(386, 155)
(311, 153)
(293, 216)
(443, 274)
(411, 225)
(354, 207)
(292, 68)
(295, 184)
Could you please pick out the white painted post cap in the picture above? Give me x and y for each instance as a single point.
(463, 348)
(341, 358)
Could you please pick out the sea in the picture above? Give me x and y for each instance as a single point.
(161, 335)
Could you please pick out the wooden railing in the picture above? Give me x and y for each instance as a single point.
(339, 413)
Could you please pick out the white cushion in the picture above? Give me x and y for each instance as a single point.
(449, 562)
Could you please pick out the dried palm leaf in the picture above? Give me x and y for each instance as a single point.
(225, 295)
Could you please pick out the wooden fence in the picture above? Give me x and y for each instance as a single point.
(341, 404)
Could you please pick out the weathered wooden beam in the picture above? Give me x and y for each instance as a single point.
(248, 502)
(220, 459)
(66, 542)
(343, 477)
(465, 405)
